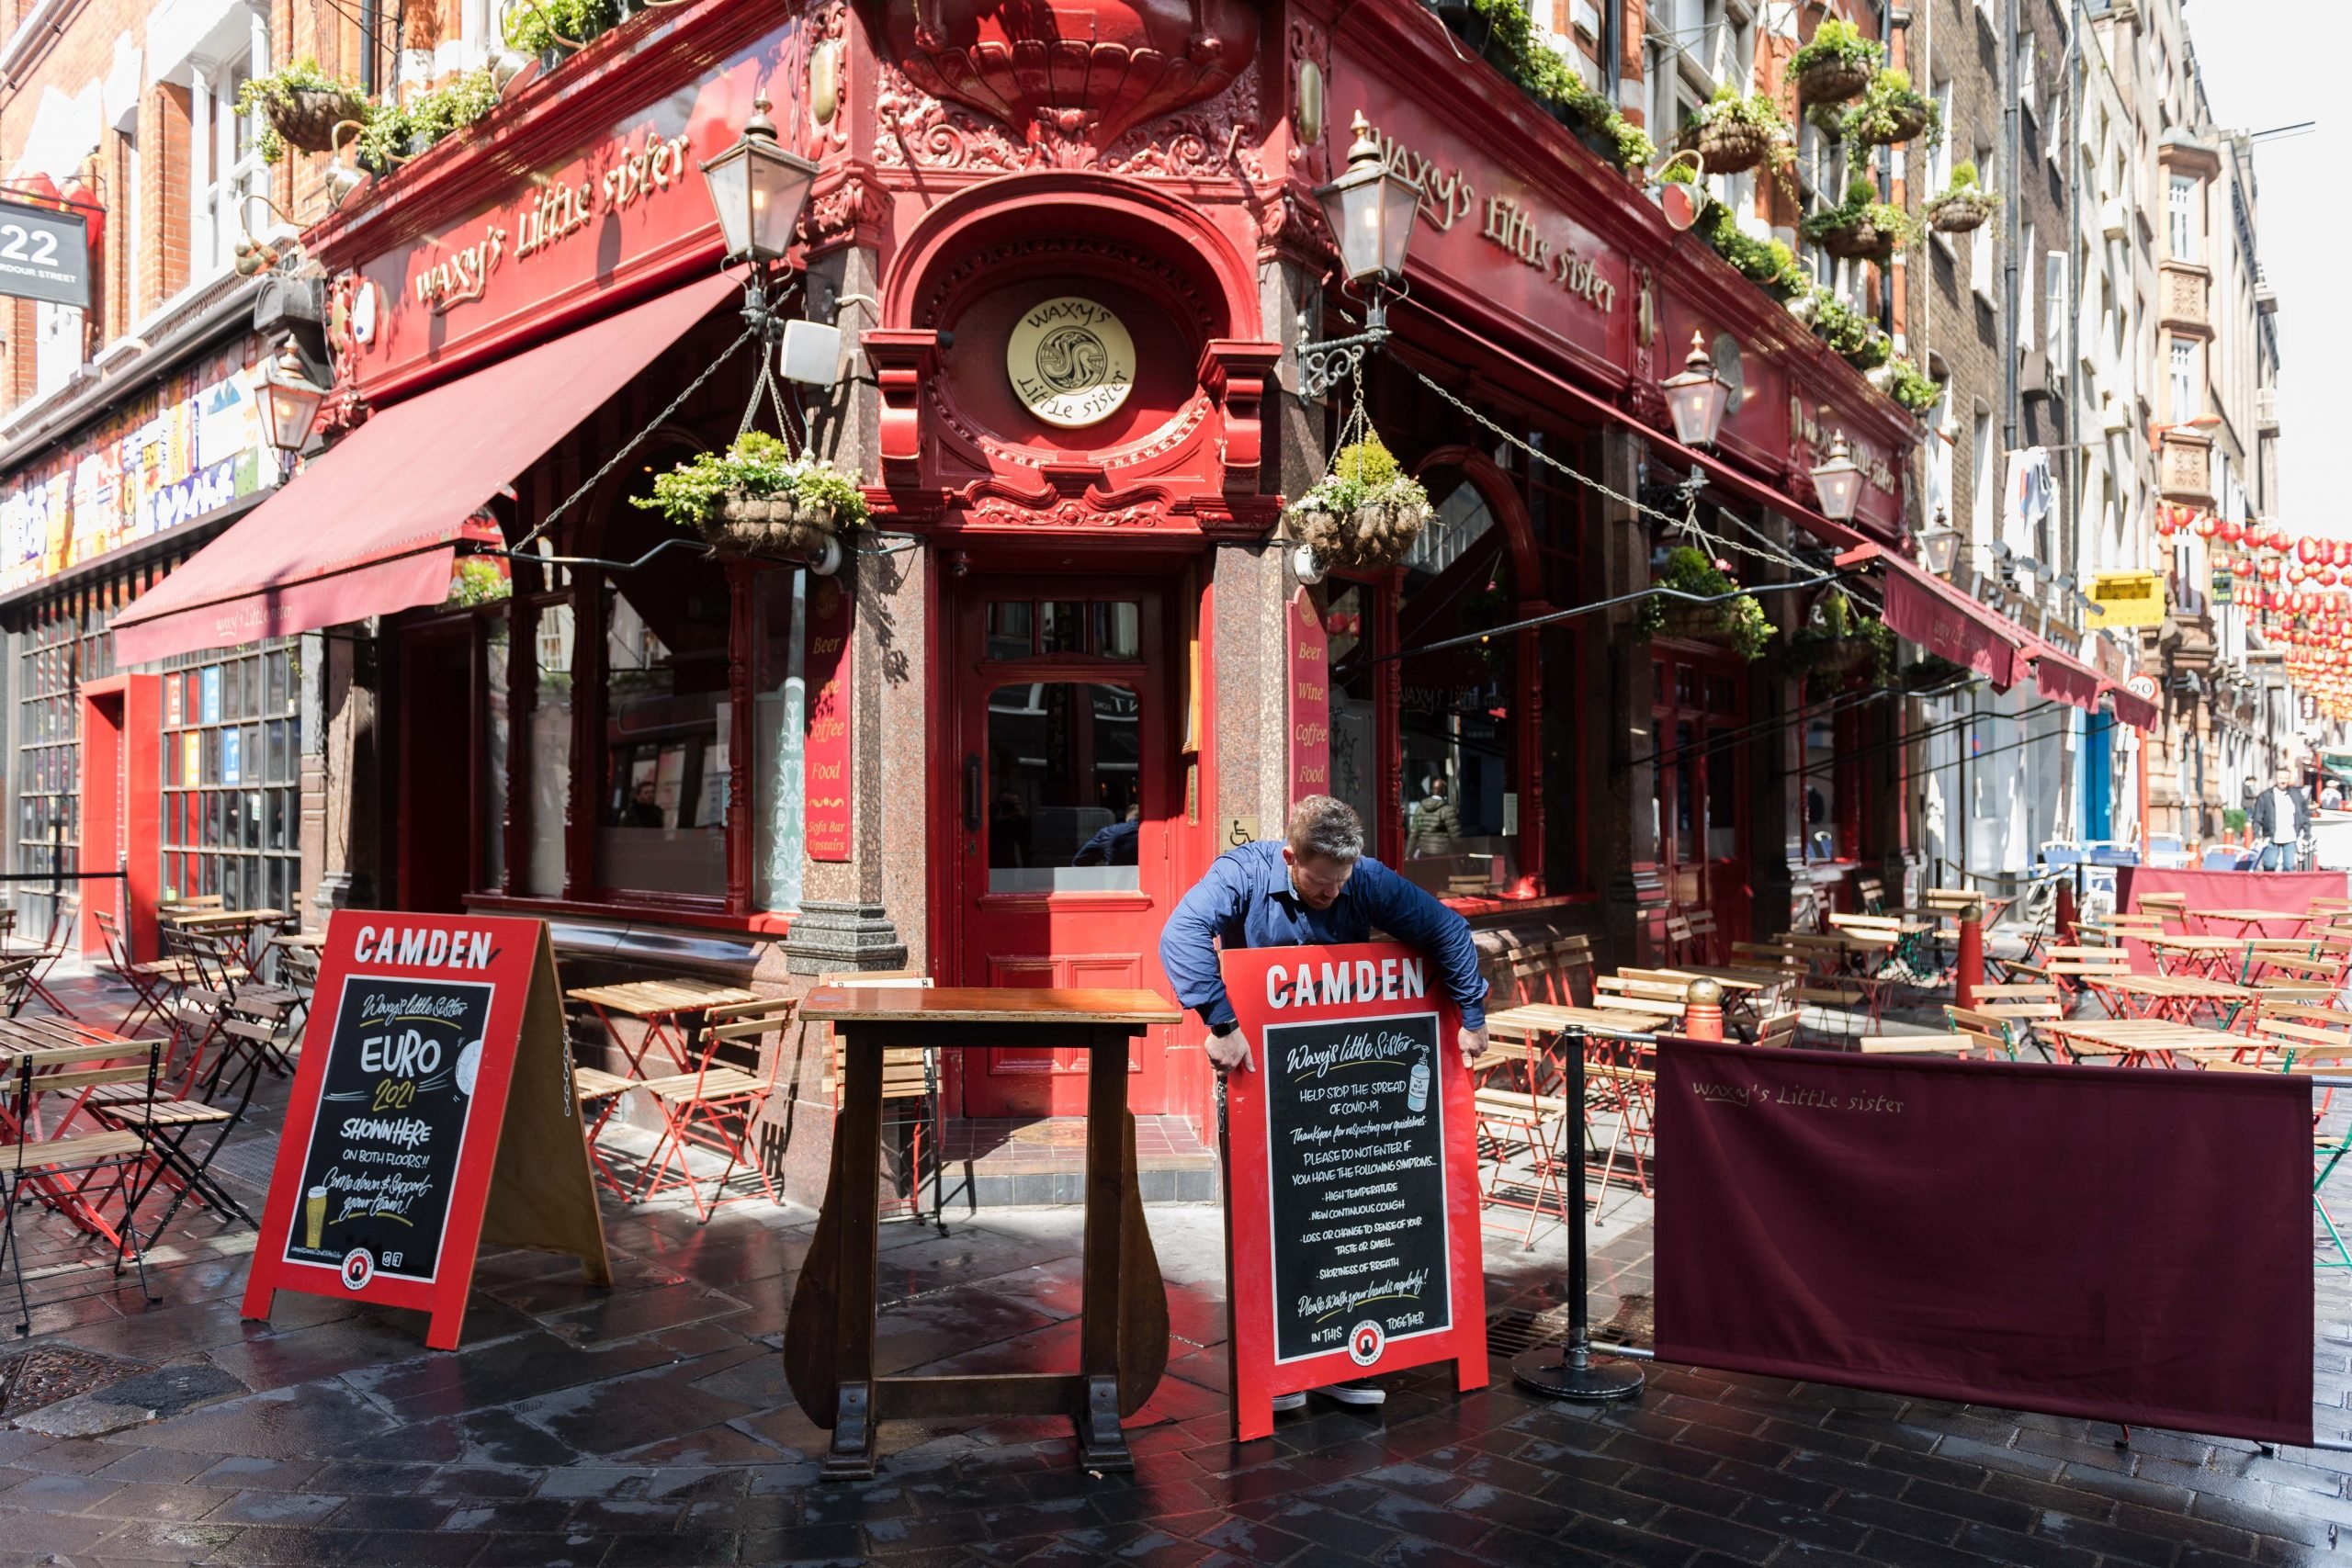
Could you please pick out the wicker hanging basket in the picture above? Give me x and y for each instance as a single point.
(305, 117)
(769, 525)
(1374, 535)
(1832, 81)
(1904, 121)
(1862, 239)
(1729, 146)
(1959, 212)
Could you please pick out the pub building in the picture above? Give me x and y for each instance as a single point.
(1070, 304)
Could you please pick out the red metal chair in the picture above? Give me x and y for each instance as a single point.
(715, 1106)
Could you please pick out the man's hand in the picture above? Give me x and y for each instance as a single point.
(1473, 1045)
(1229, 1051)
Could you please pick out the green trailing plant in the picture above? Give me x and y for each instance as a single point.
(301, 98)
(393, 131)
(1767, 263)
(1740, 621)
(1365, 513)
(1834, 42)
(1847, 331)
(479, 580)
(1892, 111)
(757, 466)
(533, 26)
(1911, 386)
(2234, 819)
(1861, 225)
(1934, 673)
(1546, 75)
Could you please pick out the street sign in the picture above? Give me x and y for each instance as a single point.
(44, 254)
(1351, 1168)
(436, 1113)
(2123, 600)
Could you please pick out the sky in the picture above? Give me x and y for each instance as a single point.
(2271, 62)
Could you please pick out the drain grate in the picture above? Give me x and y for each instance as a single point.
(47, 1373)
(1509, 1333)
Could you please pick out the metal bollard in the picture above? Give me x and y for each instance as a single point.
(2065, 917)
(1702, 1010)
(1969, 972)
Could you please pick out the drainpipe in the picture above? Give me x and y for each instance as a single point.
(2012, 157)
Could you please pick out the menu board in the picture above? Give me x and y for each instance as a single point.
(1355, 1150)
(1352, 1202)
(433, 1111)
(382, 1162)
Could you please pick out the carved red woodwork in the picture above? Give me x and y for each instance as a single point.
(1071, 75)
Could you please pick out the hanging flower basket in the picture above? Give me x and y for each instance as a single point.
(756, 498)
(1366, 513)
(1891, 113)
(1864, 227)
(305, 117)
(1730, 147)
(1832, 81)
(1959, 212)
(1858, 239)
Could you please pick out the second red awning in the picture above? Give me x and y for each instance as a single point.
(1944, 621)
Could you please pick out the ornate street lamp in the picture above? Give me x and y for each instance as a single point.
(289, 401)
(1697, 398)
(1938, 541)
(758, 190)
(1838, 480)
(1371, 209)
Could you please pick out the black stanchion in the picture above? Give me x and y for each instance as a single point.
(1572, 1370)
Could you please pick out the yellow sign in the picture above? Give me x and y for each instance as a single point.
(1071, 361)
(2126, 599)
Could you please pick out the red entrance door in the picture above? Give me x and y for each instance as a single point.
(436, 850)
(1063, 814)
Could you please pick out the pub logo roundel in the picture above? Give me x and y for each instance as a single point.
(358, 1268)
(1070, 361)
(1365, 1341)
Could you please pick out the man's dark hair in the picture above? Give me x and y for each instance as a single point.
(1328, 828)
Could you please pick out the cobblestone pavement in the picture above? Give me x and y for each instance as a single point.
(650, 1425)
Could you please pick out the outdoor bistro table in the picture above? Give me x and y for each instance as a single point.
(1122, 1344)
(2251, 922)
(2174, 997)
(2137, 1041)
(234, 927)
(662, 1006)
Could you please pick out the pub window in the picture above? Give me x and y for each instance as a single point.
(497, 720)
(662, 806)
(231, 768)
(1461, 763)
(1350, 623)
(553, 646)
(1065, 787)
(65, 644)
(780, 706)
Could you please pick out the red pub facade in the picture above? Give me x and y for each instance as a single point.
(1072, 614)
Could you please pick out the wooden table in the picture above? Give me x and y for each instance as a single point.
(1535, 1020)
(235, 927)
(2174, 997)
(2136, 1041)
(1122, 1342)
(664, 1007)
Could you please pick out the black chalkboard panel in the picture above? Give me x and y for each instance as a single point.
(392, 1120)
(1356, 1153)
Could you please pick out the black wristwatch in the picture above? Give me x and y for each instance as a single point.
(1222, 1030)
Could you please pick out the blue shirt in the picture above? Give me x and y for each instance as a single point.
(1246, 900)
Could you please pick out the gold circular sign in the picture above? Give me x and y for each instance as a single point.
(1071, 361)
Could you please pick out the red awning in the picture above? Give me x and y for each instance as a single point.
(2063, 679)
(2137, 712)
(372, 527)
(1944, 621)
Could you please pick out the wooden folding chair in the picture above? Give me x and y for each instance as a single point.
(2080, 969)
(715, 1106)
(1840, 998)
(1522, 1115)
(80, 1173)
(1777, 1029)
(2000, 1035)
(2166, 907)
(151, 984)
(1918, 1044)
(910, 1076)
(1872, 892)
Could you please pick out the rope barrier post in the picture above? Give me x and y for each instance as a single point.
(1571, 1371)
(2063, 922)
(1702, 1010)
(1969, 972)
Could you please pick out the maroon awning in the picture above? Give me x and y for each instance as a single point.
(2137, 712)
(372, 527)
(2065, 679)
(1944, 621)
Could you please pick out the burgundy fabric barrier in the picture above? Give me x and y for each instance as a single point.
(2115, 1245)
(2288, 891)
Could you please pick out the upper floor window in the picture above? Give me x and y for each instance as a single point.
(2185, 398)
(57, 346)
(2028, 77)
(224, 164)
(2180, 219)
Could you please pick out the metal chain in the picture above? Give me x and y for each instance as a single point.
(592, 480)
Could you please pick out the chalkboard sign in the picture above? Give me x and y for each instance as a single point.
(1352, 1174)
(433, 1109)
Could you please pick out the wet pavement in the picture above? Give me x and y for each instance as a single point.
(650, 1423)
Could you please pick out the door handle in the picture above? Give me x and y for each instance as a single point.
(972, 793)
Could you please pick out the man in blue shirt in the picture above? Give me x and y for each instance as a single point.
(1316, 889)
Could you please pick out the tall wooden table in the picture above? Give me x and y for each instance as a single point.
(1123, 1347)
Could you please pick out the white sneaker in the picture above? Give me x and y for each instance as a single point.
(1290, 1401)
(1354, 1394)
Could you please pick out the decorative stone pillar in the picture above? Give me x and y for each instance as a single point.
(341, 760)
(1619, 782)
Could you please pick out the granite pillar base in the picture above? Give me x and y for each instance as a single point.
(829, 935)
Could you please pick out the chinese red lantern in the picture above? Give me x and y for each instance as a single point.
(2207, 525)
(2307, 549)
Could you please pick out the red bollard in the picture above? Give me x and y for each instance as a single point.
(2067, 916)
(1969, 973)
(1702, 1010)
